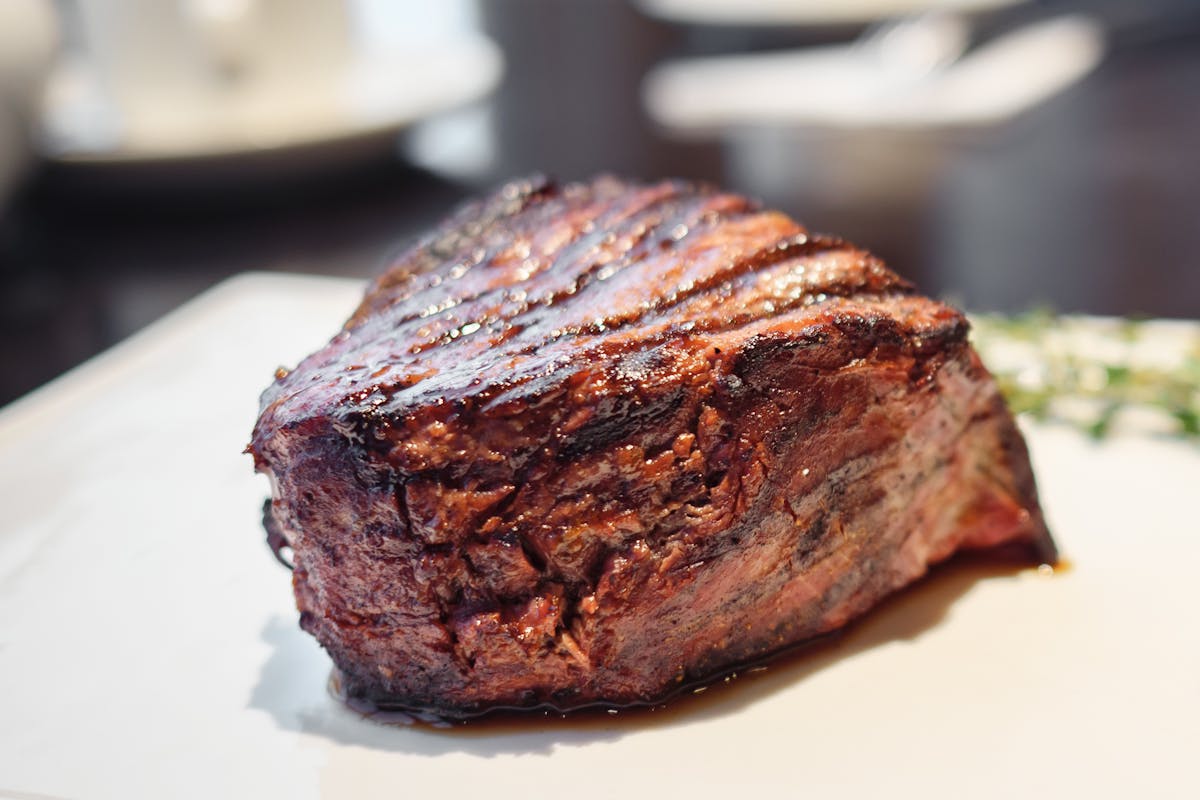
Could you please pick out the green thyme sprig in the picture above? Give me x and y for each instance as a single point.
(1094, 373)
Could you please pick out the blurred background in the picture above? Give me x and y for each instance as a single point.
(1003, 154)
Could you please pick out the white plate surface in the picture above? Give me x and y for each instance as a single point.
(149, 647)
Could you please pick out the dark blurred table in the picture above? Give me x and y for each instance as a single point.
(83, 265)
(1090, 203)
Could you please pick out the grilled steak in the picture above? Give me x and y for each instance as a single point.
(585, 443)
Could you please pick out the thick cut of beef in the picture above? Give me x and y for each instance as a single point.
(584, 443)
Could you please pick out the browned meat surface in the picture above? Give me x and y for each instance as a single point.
(584, 443)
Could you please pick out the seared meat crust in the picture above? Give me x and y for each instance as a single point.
(584, 443)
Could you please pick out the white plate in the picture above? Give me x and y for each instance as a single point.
(149, 648)
(373, 93)
(805, 12)
(866, 86)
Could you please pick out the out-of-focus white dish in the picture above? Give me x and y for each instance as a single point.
(804, 12)
(149, 647)
(899, 82)
(370, 93)
(28, 35)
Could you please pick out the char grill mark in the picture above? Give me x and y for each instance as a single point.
(490, 270)
(520, 311)
(587, 439)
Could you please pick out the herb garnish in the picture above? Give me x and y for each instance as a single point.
(1094, 373)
